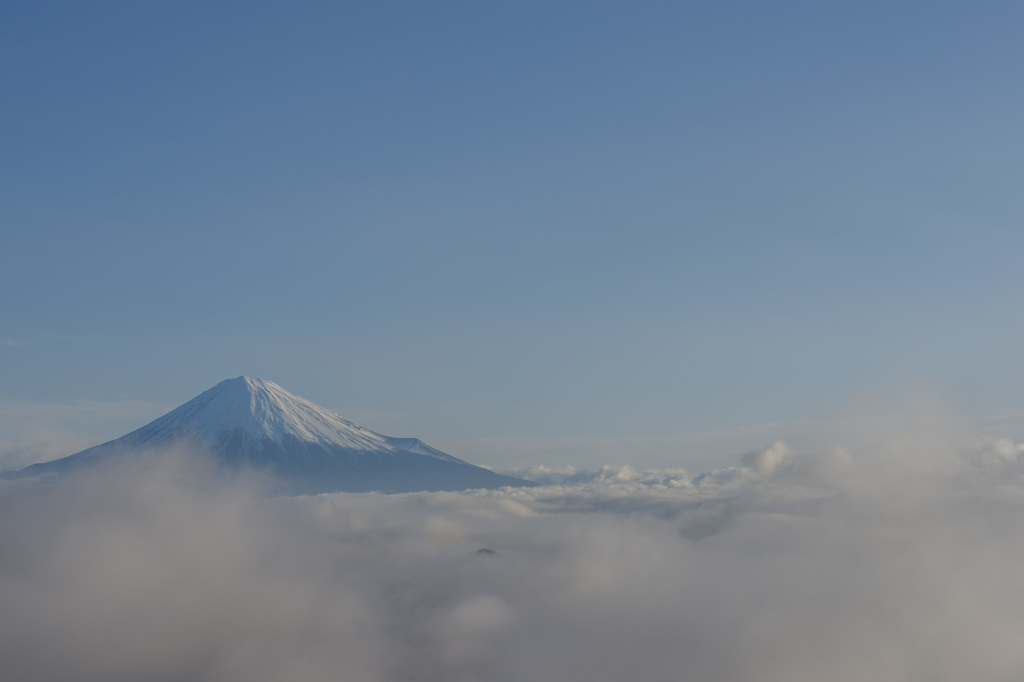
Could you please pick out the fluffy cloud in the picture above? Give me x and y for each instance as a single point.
(896, 558)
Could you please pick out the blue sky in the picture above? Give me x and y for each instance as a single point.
(525, 232)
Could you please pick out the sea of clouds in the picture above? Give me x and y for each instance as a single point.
(896, 556)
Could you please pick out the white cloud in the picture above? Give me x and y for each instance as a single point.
(768, 460)
(883, 560)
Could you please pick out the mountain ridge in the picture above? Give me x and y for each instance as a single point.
(247, 422)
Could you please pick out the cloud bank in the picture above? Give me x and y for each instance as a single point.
(894, 558)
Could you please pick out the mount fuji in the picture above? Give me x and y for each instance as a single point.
(305, 448)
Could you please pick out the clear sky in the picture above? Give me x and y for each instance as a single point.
(562, 232)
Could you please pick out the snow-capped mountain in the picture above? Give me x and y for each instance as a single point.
(256, 423)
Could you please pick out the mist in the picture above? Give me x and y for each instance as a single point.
(895, 555)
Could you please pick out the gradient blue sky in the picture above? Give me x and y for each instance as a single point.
(523, 232)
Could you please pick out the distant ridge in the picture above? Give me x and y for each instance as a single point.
(304, 447)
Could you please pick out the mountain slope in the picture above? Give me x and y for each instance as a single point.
(306, 448)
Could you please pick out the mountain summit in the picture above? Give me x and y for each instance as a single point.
(308, 449)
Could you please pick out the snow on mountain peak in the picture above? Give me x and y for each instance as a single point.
(305, 448)
(260, 408)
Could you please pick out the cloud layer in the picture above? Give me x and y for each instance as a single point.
(895, 558)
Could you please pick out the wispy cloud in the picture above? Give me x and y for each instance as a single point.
(35, 431)
(30, 339)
